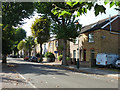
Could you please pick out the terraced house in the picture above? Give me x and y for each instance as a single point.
(100, 37)
(56, 46)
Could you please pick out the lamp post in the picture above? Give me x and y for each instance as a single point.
(78, 64)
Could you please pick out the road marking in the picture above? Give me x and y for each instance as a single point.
(25, 79)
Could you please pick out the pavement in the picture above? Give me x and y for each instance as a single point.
(97, 71)
(12, 79)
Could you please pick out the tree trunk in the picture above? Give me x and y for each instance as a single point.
(4, 58)
(41, 53)
(29, 52)
(64, 62)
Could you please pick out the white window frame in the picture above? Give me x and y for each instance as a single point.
(91, 37)
(76, 40)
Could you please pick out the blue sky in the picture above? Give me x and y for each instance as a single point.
(87, 19)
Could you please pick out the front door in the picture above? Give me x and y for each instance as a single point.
(84, 55)
(93, 61)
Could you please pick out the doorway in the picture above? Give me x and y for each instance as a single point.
(93, 61)
(84, 55)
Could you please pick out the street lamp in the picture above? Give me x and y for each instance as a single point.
(77, 49)
(78, 64)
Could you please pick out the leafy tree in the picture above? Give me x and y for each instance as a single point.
(21, 46)
(19, 35)
(41, 30)
(29, 44)
(69, 8)
(68, 30)
(13, 14)
(8, 39)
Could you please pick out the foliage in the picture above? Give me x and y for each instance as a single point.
(21, 45)
(81, 7)
(49, 55)
(30, 43)
(14, 12)
(65, 32)
(38, 55)
(20, 34)
(67, 58)
(78, 7)
(8, 39)
(60, 47)
(60, 57)
(41, 29)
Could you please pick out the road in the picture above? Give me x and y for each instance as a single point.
(43, 76)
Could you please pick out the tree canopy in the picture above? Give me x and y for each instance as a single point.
(41, 30)
(13, 14)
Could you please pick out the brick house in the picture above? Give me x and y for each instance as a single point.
(74, 50)
(99, 37)
(56, 45)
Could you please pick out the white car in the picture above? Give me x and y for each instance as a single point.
(117, 64)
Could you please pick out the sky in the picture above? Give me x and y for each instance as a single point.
(86, 19)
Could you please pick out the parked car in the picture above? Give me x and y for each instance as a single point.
(33, 59)
(117, 63)
(27, 57)
(103, 59)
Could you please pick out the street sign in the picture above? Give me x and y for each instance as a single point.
(55, 52)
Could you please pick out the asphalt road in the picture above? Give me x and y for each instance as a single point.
(43, 76)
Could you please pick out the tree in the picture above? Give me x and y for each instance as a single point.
(21, 46)
(61, 14)
(13, 14)
(8, 39)
(67, 32)
(19, 35)
(29, 44)
(41, 30)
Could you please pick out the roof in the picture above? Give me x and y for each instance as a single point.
(102, 24)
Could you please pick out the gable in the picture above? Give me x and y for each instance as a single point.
(104, 25)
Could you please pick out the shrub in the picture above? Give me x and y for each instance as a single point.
(67, 58)
(46, 54)
(49, 55)
(60, 57)
(38, 55)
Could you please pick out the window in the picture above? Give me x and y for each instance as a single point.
(76, 40)
(50, 44)
(56, 43)
(90, 37)
(74, 53)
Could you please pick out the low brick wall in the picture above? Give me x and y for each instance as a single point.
(85, 63)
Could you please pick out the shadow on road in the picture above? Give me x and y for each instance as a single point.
(31, 68)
